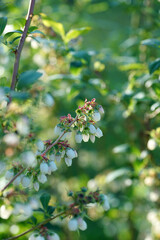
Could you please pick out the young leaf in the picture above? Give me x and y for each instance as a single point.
(28, 78)
(9, 34)
(32, 28)
(57, 27)
(45, 198)
(74, 33)
(50, 210)
(153, 66)
(3, 23)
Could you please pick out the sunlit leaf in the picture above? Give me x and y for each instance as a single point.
(74, 33)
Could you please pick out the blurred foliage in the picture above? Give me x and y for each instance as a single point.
(117, 62)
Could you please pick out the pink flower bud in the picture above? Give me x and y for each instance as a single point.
(54, 237)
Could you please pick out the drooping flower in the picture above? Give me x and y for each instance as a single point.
(9, 175)
(96, 116)
(36, 186)
(101, 110)
(92, 138)
(99, 133)
(54, 236)
(42, 178)
(52, 157)
(40, 238)
(26, 182)
(70, 153)
(68, 161)
(58, 157)
(44, 168)
(105, 205)
(48, 100)
(40, 145)
(82, 225)
(57, 130)
(92, 129)
(78, 138)
(53, 166)
(85, 137)
(32, 237)
(73, 224)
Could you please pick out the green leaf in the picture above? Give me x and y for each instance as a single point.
(45, 198)
(155, 65)
(151, 42)
(32, 28)
(28, 78)
(57, 27)
(50, 210)
(9, 34)
(19, 95)
(19, 22)
(37, 31)
(14, 39)
(74, 33)
(34, 220)
(3, 23)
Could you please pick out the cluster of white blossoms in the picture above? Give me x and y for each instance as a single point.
(77, 223)
(50, 236)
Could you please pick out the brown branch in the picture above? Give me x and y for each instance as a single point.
(37, 226)
(54, 143)
(21, 44)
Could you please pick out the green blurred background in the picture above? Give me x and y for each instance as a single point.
(109, 63)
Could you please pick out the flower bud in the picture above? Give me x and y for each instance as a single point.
(44, 168)
(82, 225)
(36, 186)
(92, 138)
(105, 204)
(96, 116)
(92, 129)
(26, 182)
(40, 145)
(78, 138)
(70, 153)
(73, 224)
(9, 175)
(99, 133)
(53, 166)
(68, 161)
(85, 137)
(53, 237)
(42, 178)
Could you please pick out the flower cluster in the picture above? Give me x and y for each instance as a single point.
(44, 234)
(49, 153)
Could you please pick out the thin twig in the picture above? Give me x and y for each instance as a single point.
(21, 44)
(37, 226)
(19, 173)
(54, 143)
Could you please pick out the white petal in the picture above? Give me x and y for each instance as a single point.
(82, 225)
(26, 182)
(36, 186)
(92, 138)
(42, 178)
(99, 133)
(40, 145)
(92, 129)
(52, 166)
(44, 168)
(85, 137)
(78, 138)
(68, 161)
(96, 116)
(70, 153)
(73, 224)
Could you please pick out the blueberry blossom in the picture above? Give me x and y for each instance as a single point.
(26, 182)
(44, 168)
(82, 225)
(99, 133)
(73, 224)
(78, 138)
(70, 153)
(54, 236)
(96, 116)
(92, 129)
(42, 178)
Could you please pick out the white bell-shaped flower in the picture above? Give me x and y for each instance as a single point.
(44, 167)
(17, 181)
(40, 145)
(92, 138)
(96, 116)
(99, 133)
(70, 153)
(85, 137)
(52, 157)
(92, 129)
(32, 237)
(57, 130)
(73, 224)
(68, 161)
(11, 139)
(9, 175)
(48, 100)
(82, 225)
(58, 157)
(36, 186)
(101, 110)
(53, 166)
(106, 205)
(40, 238)
(26, 182)
(53, 237)
(78, 138)
(42, 178)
